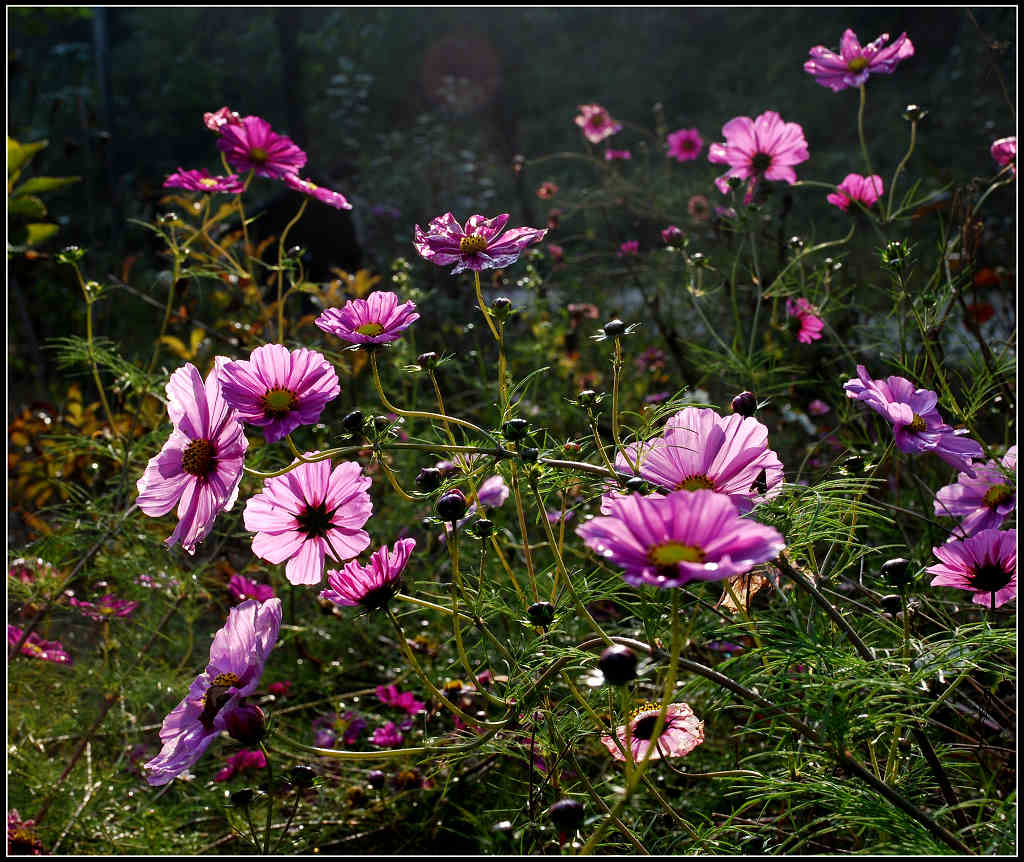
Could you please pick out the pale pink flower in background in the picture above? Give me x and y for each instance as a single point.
(854, 187)
(617, 155)
(684, 145)
(1004, 151)
(596, 123)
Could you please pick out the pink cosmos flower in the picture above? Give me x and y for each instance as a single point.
(278, 389)
(477, 246)
(1004, 151)
(916, 424)
(237, 656)
(682, 733)
(700, 449)
(218, 119)
(201, 181)
(36, 647)
(655, 397)
(388, 736)
(852, 66)
(761, 149)
(327, 727)
(242, 588)
(854, 187)
(684, 145)
(629, 248)
(596, 123)
(325, 196)
(984, 500)
(378, 319)
(200, 466)
(818, 407)
(699, 208)
(279, 688)
(21, 836)
(251, 145)
(547, 190)
(617, 155)
(810, 324)
(985, 564)
(309, 514)
(105, 608)
(556, 251)
(371, 586)
(389, 695)
(671, 234)
(684, 536)
(243, 761)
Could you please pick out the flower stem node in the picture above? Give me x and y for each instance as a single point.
(452, 505)
(247, 724)
(541, 613)
(428, 479)
(896, 573)
(618, 664)
(745, 404)
(515, 429)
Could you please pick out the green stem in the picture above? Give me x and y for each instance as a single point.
(280, 270)
(899, 169)
(860, 129)
(270, 799)
(517, 495)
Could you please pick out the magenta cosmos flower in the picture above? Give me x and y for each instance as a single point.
(684, 536)
(278, 389)
(682, 733)
(1004, 151)
(765, 148)
(251, 145)
(852, 66)
(701, 450)
(237, 656)
(242, 588)
(309, 514)
(36, 647)
(671, 234)
(200, 466)
(916, 424)
(325, 196)
(201, 181)
(105, 608)
(854, 187)
(389, 695)
(985, 564)
(477, 246)
(371, 586)
(810, 324)
(216, 120)
(982, 501)
(243, 761)
(596, 123)
(378, 319)
(684, 145)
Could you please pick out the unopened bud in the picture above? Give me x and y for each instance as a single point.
(246, 723)
(618, 664)
(428, 479)
(427, 360)
(745, 404)
(541, 613)
(452, 505)
(614, 328)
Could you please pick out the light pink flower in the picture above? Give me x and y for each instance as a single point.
(1004, 151)
(477, 246)
(854, 187)
(818, 407)
(761, 149)
(325, 196)
(596, 123)
(811, 325)
(105, 608)
(699, 208)
(493, 492)
(985, 564)
(201, 181)
(378, 319)
(983, 500)
(852, 66)
(682, 733)
(371, 586)
(547, 190)
(684, 145)
(556, 251)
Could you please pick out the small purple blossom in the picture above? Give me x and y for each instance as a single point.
(243, 761)
(1004, 152)
(684, 145)
(326, 729)
(818, 407)
(371, 586)
(671, 235)
(852, 66)
(325, 196)
(629, 248)
(981, 501)
(388, 736)
(389, 695)
(378, 319)
(596, 123)
(105, 608)
(201, 181)
(242, 588)
(36, 647)
(985, 564)
(477, 246)
(493, 492)
(854, 187)
(251, 145)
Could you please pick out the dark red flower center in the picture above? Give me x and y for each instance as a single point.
(278, 403)
(199, 458)
(997, 495)
(472, 243)
(989, 578)
(761, 162)
(315, 521)
(258, 155)
(644, 727)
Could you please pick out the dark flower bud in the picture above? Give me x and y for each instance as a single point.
(484, 528)
(541, 613)
(296, 251)
(381, 423)
(745, 404)
(428, 479)
(515, 429)
(167, 218)
(353, 422)
(796, 243)
(377, 778)
(70, 253)
(301, 775)
(587, 398)
(618, 664)
(246, 723)
(636, 485)
(567, 815)
(452, 505)
(427, 360)
(613, 329)
(529, 455)
(896, 572)
(891, 604)
(502, 308)
(242, 798)
(914, 113)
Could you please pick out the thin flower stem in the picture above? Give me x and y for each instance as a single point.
(483, 306)
(899, 169)
(291, 817)
(270, 799)
(517, 495)
(167, 314)
(602, 453)
(395, 484)
(617, 366)
(507, 567)
(860, 129)
(280, 270)
(245, 226)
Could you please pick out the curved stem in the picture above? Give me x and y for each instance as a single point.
(899, 169)
(280, 270)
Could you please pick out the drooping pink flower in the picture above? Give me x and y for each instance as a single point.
(241, 762)
(200, 466)
(477, 246)
(237, 656)
(309, 514)
(811, 325)
(852, 66)
(218, 119)
(671, 235)
(985, 564)
(818, 407)
(201, 181)
(700, 449)
(854, 187)
(325, 196)
(596, 123)
(251, 145)
(684, 536)
(982, 501)
(1004, 151)
(916, 424)
(36, 647)
(388, 736)
(761, 149)
(389, 695)
(105, 607)
(629, 248)
(378, 319)
(682, 733)
(371, 586)
(684, 145)
(278, 389)
(617, 155)
(242, 588)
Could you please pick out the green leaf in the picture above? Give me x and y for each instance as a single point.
(35, 185)
(19, 155)
(28, 206)
(39, 232)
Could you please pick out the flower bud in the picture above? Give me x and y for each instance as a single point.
(891, 604)
(541, 613)
(353, 422)
(484, 528)
(618, 664)
(452, 505)
(301, 775)
(246, 723)
(502, 308)
(529, 455)
(613, 329)
(745, 404)
(428, 479)
(567, 815)
(587, 398)
(377, 778)
(914, 113)
(515, 429)
(296, 251)
(896, 572)
(381, 423)
(636, 485)
(427, 360)
(242, 798)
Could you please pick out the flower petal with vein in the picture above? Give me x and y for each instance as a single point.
(478, 245)
(853, 65)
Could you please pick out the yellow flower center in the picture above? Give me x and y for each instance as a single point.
(857, 64)
(278, 403)
(696, 483)
(226, 679)
(997, 495)
(917, 425)
(472, 244)
(670, 553)
(208, 182)
(258, 155)
(370, 329)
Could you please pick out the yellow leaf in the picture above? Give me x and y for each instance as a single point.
(176, 346)
(196, 340)
(744, 587)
